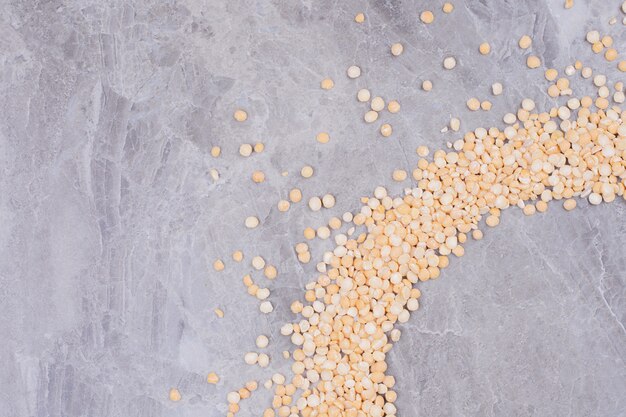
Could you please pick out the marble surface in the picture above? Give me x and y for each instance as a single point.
(110, 219)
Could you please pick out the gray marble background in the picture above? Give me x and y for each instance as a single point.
(110, 221)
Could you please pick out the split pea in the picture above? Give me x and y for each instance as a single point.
(240, 115)
(427, 16)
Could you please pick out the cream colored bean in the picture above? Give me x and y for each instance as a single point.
(371, 116)
(354, 72)
(363, 95)
(251, 222)
(315, 203)
(449, 63)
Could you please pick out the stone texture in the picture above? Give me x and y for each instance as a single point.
(111, 220)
